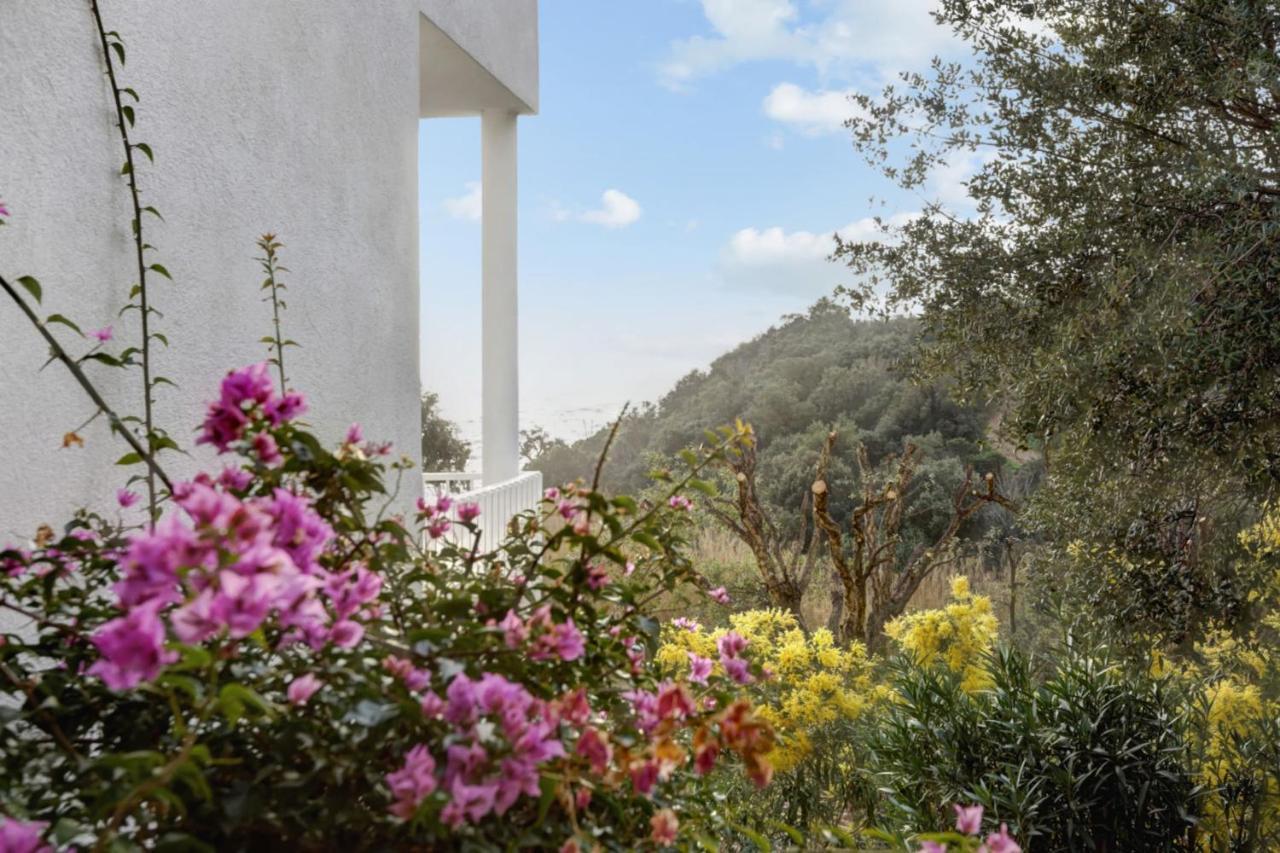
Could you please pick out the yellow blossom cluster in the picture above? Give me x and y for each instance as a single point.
(813, 683)
(959, 635)
(1233, 680)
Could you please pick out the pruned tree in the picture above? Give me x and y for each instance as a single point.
(785, 570)
(875, 583)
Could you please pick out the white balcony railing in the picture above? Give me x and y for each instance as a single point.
(499, 502)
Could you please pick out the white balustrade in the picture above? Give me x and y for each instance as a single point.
(498, 502)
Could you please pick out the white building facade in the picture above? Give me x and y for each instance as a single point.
(300, 119)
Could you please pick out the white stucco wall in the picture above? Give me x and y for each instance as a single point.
(299, 118)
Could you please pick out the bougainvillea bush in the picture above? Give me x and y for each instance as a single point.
(280, 661)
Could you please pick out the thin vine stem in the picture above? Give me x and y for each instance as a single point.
(139, 251)
(153, 468)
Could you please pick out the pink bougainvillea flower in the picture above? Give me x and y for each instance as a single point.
(266, 449)
(597, 577)
(686, 624)
(4, 211)
(432, 705)
(699, 668)
(355, 434)
(644, 776)
(18, 836)
(468, 512)
(513, 630)
(132, 648)
(737, 669)
(932, 847)
(968, 819)
(664, 826)
(731, 645)
(346, 634)
(595, 747)
(302, 688)
(551, 494)
(719, 594)
(680, 502)
(412, 783)
(286, 408)
(126, 498)
(1001, 842)
(102, 335)
(568, 641)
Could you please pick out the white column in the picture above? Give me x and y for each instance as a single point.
(500, 427)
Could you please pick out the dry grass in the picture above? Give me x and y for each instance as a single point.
(722, 555)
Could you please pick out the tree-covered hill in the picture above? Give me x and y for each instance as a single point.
(810, 374)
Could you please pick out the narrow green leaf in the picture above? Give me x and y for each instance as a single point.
(33, 287)
(159, 268)
(58, 318)
(119, 49)
(153, 212)
(127, 112)
(159, 336)
(129, 459)
(131, 93)
(146, 149)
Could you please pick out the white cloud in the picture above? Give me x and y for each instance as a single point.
(823, 111)
(948, 182)
(865, 39)
(793, 261)
(466, 206)
(617, 210)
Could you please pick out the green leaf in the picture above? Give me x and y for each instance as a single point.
(234, 698)
(153, 212)
(754, 837)
(129, 459)
(131, 93)
(791, 832)
(160, 337)
(146, 149)
(109, 360)
(647, 540)
(127, 112)
(703, 486)
(58, 318)
(119, 49)
(32, 286)
(159, 268)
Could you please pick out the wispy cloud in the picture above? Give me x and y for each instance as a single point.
(792, 261)
(616, 210)
(853, 39)
(466, 206)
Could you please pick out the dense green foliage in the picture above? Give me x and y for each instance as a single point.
(443, 449)
(1114, 287)
(1089, 758)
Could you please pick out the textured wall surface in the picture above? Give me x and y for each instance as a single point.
(300, 118)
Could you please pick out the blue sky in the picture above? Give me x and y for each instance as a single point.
(678, 191)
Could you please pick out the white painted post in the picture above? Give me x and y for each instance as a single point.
(500, 426)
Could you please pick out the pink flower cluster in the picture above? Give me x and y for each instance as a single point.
(436, 514)
(731, 646)
(549, 639)
(481, 775)
(248, 394)
(225, 569)
(969, 822)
